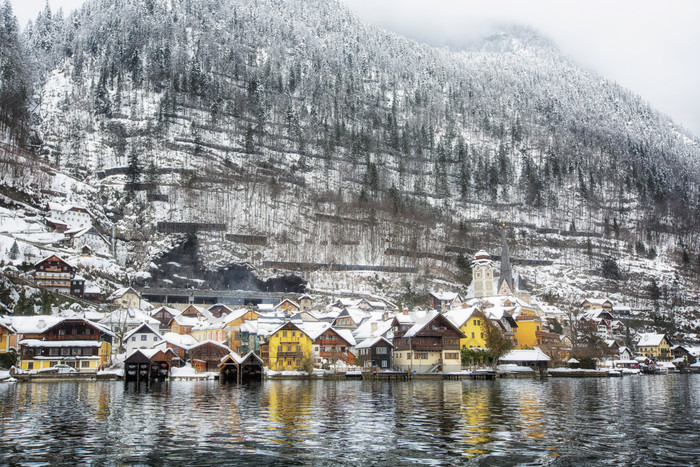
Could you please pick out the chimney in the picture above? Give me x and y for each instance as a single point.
(374, 328)
(405, 311)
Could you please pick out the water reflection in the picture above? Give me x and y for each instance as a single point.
(651, 420)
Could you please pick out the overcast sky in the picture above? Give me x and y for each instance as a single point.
(650, 47)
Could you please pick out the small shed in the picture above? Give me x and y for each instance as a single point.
(534, 358)
(233, 367)
(147, 364)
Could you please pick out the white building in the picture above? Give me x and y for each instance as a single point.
(141, 337)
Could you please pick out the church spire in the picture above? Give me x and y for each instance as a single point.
(506, 272)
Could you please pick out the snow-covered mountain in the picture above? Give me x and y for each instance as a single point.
(292, 133)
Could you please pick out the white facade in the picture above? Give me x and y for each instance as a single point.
(143, 337)
(482, 275)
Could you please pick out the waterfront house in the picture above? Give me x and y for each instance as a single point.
(426, 342)
(209, 329)
(7, 335)
(141, 337)
(375, 352)
(286, 348)
(79, 343)
(533, 358)
(471, 322)
(206, 356)
(331, 345)
(654, 346)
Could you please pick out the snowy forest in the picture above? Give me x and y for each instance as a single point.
(306, 136)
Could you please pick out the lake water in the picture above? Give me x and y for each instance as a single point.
(632, 420)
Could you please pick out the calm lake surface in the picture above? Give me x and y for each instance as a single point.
(631, 420)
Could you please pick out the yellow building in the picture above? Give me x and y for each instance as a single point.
(529, 324)
(655, 346)
(286, 348)
(6, 335)
(471, 322)
(232, 330)
(125, 297)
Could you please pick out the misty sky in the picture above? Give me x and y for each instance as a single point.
(650, 47)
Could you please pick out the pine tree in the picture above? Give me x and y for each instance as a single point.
(133, 171)
(14, 251)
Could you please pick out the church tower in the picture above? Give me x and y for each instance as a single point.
(505, 281)
(482, 275)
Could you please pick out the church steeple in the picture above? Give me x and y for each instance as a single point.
(506, 272)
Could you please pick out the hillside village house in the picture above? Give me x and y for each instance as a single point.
(78, 343)
(306, 303)
(7, 336)
(232, 327)
(57, 275)
(81, 237)
(426, 342)
(69, 215)
(655, 347)
(444, 301)
(471, 322)
(590, 304)
(125, 297)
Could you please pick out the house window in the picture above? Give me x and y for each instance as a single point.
(381, 350)
(53, 351)
(294, 334)
(30, 365)
(65, 351)
(85, 364)
(384, 363)
(144, 337)
(472, 335)
(452, 356)
(87, 351)
(53, 364)
(155, 338)
(75, 351)
(482, 335)
(284, 333)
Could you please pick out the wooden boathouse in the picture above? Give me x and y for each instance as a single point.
(233, 367)
(147, 365)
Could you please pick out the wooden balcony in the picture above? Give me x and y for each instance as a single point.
(293, 354)
(72, 337)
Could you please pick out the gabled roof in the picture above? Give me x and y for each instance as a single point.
(210, 342)
(423, 319)
(184, 341)
(532, 355)
(459, 316)
(288, 324)
(364, 331)
(650, 339)
(119, 293)
(143, 328)
(445, 296)
(87, 322)
(58, 258)
(371, 342)
(236, 314)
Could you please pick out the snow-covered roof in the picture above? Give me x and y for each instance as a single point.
(597, 301)
(62, 343)
(236, 314)
(119, 293)
(445, 296)
(184, 341)
(143, 328)
(371, 342)
(530, 355)
(459, 316)
(129, 316)
(59, 258)
(209, 341)
(186, 320)
(364, 331)
(347, 335)
(422, 319)
(650, 339)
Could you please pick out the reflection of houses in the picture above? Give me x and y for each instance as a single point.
(147, 364)
(375, 352)
(654, 346)
(76, 342)
(426, 342)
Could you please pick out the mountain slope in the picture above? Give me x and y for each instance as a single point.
(314, 138)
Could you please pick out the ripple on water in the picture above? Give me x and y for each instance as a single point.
(648, 420)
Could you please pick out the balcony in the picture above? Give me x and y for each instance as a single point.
(293, 353)
(290, 340)
(72, 337)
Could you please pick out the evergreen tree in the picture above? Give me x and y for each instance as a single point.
(464, 268)
(14, 251)
(133, 170)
